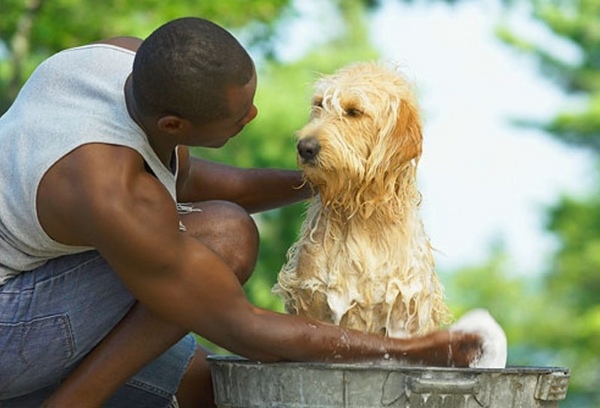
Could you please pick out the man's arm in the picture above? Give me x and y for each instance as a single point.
(254, 189)
(129, 217)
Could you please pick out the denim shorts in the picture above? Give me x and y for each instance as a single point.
(51, 317)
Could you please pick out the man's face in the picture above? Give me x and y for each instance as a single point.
(243, 110)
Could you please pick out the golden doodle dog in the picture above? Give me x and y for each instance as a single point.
(363, 259)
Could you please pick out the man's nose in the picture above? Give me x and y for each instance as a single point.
(250, 116)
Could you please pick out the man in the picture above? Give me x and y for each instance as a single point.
(101, 277)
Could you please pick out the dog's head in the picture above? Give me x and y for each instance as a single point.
(364, 130)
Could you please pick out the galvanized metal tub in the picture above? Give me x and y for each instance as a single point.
(241, 383)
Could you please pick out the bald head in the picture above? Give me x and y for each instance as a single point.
(185, 67)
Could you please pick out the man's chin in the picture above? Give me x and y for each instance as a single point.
(214, 145)
(218, 145)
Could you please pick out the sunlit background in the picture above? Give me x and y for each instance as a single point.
(509, 175)
(485, 180)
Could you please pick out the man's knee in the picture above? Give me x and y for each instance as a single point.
(229, 231)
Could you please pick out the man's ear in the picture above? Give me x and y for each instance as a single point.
(172, 124)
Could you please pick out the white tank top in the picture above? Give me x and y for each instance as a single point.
(73, 98)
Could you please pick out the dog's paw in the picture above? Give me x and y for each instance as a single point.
(493, 344)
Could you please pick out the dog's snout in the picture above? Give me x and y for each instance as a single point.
(308, 148)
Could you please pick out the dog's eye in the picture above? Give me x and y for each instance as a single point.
(317, 103)
(353, 112)
(315, 110)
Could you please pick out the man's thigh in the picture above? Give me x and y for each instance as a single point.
(53, 316)
(154, 386)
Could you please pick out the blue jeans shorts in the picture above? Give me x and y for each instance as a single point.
(51, 317)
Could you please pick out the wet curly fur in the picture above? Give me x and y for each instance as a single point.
(363, 259)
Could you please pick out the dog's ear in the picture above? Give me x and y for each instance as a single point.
(408, 132)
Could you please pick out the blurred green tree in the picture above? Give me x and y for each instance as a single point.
(31, 30)
(571, 285)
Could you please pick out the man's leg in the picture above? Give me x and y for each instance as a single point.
(239, 249)
(50, 319)
(141, 337)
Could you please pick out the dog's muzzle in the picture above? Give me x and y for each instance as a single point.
(308, 149)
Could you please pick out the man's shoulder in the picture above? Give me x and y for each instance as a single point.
(104, 159)
(94, 182)
(128, 43)
(93, 167)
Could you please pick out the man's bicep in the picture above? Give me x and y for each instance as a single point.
(167, 270)
(135, 224)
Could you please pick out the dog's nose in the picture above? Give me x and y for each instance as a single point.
(308, 148)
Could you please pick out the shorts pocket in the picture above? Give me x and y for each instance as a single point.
(34, 354)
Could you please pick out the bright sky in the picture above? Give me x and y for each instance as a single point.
(481, 178)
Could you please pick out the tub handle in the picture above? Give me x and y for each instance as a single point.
(468, 387)
(552, 387)
(443, 386)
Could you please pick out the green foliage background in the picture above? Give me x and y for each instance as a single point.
(552, 318)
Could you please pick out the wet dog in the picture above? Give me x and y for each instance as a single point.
(363, 259)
